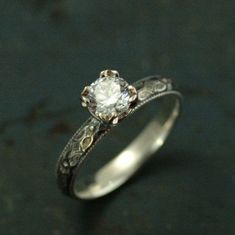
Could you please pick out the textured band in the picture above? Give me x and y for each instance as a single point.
(87, 136)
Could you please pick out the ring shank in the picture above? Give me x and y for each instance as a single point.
(124, 165)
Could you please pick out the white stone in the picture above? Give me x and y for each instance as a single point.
(109, 95)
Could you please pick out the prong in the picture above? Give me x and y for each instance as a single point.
(107, 117)
(84, 96)
(85, 91)
(109, 73)
(115, 120)
(114, 115)
(84, 104)
(133, 93)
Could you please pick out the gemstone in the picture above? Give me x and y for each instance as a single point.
(107, 93)
(108, 96)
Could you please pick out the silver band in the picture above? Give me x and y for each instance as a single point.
(115, 173)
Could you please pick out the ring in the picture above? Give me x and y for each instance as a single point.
(110, 100)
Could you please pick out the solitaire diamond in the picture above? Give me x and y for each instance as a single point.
(109, 97)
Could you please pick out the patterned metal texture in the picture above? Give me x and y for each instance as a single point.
(50, 49)
(93, 130)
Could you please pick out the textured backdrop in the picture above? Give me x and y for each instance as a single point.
(50, 49)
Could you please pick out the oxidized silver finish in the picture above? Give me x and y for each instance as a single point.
(114, 174)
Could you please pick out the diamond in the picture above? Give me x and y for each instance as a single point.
(108, 97)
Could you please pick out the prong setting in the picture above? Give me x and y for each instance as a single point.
(110, 98)
(107, 117)
(85, 96)
(132, 92)
(109, 73)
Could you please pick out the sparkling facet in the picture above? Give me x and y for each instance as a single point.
(109, 95)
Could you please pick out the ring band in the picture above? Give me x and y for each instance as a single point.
(104, 117)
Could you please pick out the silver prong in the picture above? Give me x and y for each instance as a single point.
(84, 104)
(106, 117)
(133, 93)
(109, 73)
(115, 120)
(85, 91)
(84, 96)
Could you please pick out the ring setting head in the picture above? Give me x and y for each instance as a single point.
(109, 98)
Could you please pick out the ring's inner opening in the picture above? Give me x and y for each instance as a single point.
(125, 164)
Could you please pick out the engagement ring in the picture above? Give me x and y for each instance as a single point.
(110, 100)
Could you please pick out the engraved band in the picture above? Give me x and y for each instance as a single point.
(114, 174)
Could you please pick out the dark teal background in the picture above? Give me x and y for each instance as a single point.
(50, 49)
